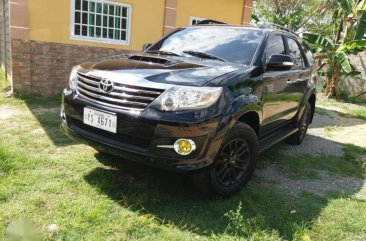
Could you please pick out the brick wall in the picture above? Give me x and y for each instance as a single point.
(43, 68)
(356, 85)
(5, 47)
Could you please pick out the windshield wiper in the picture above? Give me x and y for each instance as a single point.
(162, 52)
(203, 55)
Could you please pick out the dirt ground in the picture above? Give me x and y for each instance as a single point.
(328, 133)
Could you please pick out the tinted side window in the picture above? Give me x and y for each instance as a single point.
(295, 52)
(275, 45)
(309, 55)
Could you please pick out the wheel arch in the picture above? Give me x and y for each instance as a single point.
(312, 100)
(246, 109)
(251, 118)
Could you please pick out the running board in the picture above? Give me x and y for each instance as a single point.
(276, 137)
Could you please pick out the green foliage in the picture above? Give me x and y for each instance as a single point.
(345, 5)
(349, 19)
(236, 225)
(353, 47)
(312, 15)
(343, 60)
(323, 42)
(255, 18)
(361, 25)
(354, 99)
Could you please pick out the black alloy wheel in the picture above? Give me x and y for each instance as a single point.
(303, 125)
(233, 162)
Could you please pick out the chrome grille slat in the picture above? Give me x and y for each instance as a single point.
(101, 97)
(132, 96)
(87, 86)
(123, 96)
(126, 89)
(92, 82)
(109, 105)
(116, 94)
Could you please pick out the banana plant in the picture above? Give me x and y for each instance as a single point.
(351, 23)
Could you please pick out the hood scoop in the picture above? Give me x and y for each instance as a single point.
(150, 59)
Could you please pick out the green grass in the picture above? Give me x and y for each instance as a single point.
(54, 180)
(357, 111)
(321, 111)
(3, 82)
(355, 99)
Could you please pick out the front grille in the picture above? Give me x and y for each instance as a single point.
(127, 97)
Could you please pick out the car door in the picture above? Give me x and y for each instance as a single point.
(301, 71)
(279, 105)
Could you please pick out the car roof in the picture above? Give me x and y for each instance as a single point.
(264, 28)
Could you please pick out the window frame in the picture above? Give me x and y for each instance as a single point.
(101, 39)
(310, 61)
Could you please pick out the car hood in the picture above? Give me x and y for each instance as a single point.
(161, 69)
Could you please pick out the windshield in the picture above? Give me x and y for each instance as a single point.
(234, 44)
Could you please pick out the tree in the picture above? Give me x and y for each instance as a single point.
(312, 15)
(350, 21)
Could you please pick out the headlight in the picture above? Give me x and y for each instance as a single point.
(187, 98)
(73, 77)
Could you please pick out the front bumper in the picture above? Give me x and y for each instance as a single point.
(139, 135)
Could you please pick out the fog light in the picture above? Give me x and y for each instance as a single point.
(184, 146)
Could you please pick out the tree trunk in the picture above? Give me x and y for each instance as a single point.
(331, 88)
(327, 86)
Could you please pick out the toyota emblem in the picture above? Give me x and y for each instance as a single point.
(106, 86)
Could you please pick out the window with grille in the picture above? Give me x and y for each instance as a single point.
(101, 21)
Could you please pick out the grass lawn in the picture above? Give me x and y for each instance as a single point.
(53, 180)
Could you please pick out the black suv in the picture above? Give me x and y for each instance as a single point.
(206, 99)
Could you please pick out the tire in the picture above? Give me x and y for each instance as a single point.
(234, 165)
(303, 125)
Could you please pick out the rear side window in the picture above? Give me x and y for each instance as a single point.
(295, 52)
(275, 45)
(309, 55)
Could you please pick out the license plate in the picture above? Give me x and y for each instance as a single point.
(100, 120)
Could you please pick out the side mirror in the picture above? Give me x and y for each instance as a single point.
(278, 62)
(146, 46)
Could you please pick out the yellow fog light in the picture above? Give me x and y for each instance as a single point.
(184, 146)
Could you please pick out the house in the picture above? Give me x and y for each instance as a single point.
(41, 40)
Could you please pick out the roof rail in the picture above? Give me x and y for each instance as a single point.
(267, 25)
(209, 21)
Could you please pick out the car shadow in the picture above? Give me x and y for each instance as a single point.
(171, 198)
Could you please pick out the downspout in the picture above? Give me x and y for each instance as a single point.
(5, 41)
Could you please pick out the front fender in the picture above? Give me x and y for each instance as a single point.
(237, 108)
